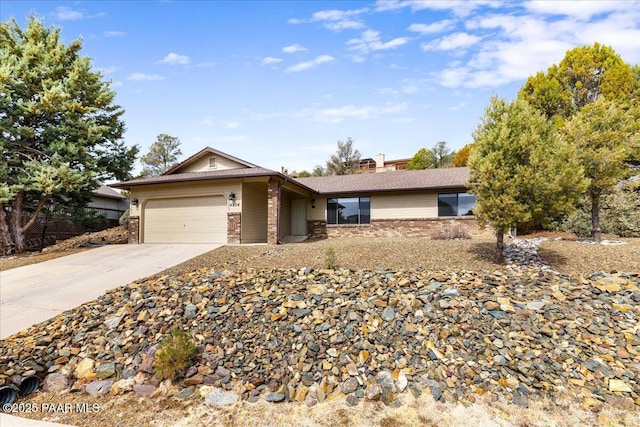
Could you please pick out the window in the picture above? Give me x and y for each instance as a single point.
(349, 210)
(213, 162)
(456, 204)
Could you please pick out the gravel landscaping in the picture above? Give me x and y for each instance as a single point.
(353, 253)
(407, 331)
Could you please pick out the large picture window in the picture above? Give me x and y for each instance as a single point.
(349, 210)
(456, 204)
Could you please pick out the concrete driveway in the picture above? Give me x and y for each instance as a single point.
(37, 292)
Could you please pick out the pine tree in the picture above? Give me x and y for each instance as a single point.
(61, 131)
(605, 135)
(346, 160)
(520, 171)
(162, 156)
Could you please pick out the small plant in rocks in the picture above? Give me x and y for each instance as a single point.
(175, 354)
(330, 258)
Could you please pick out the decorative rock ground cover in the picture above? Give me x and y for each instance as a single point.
(308, 335)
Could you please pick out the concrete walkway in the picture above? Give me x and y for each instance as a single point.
(37, 292)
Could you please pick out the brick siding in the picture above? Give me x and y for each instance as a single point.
(273, 211)
(418, 227)
(134, 229)
(234, 229)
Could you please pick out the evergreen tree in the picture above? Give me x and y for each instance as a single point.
(439, 156)
(520, 171)
(61, 131)
(162, 156)
(346, 160)
(604, 134)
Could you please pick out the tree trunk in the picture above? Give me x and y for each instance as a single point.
(595, 218)
(43, 235)
(499, 246)
(16, 228)
(5, 235)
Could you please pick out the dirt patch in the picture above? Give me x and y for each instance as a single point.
(423, 410)
(576, 258)
(112, 236)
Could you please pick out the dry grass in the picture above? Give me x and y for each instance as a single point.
(578, 259)
(115, 235)
(423, 411)
(354, 253)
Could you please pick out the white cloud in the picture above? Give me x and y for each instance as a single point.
(65, 13)
(233, 125)
(294, 48)
(107, 70)
(310, 64)
(206, 65)
(457, 7)
(271, 60)
(586, 10)
(457, 106)
(452, 41)
(114, 34)
(339, 114)
(435, 27)
(335, 20)
(370, 41)
(175, 59)
(143, 76)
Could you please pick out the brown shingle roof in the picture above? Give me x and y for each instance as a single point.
(108, 192)
(198, 176)
(443, 178)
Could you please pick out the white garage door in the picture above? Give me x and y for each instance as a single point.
(186, 220)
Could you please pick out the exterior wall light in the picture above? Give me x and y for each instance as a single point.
(313, 203)
(135, 202)
(232, 197)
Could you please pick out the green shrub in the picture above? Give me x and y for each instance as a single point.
(174, 355)
(618, 214)
(330, 258)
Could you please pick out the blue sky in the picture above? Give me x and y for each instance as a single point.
(279, 83)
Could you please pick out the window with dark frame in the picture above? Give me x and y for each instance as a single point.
(456, 204)
(349, 210)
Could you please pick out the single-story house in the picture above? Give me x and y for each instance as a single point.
(108, 202)
(215, 197)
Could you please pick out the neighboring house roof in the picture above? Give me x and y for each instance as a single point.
(208, 150)
(443, 178)
(107, 192)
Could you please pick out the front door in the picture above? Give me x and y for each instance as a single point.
(298, 217)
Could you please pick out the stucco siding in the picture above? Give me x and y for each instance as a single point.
(285, 214)
(388, 206)
(202, 164)
(319, 213)
(254, 213)
(402, 206)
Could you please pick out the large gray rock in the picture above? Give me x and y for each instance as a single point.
(219, 397)
(55, 382)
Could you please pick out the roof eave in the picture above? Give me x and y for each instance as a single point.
(394, 190)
